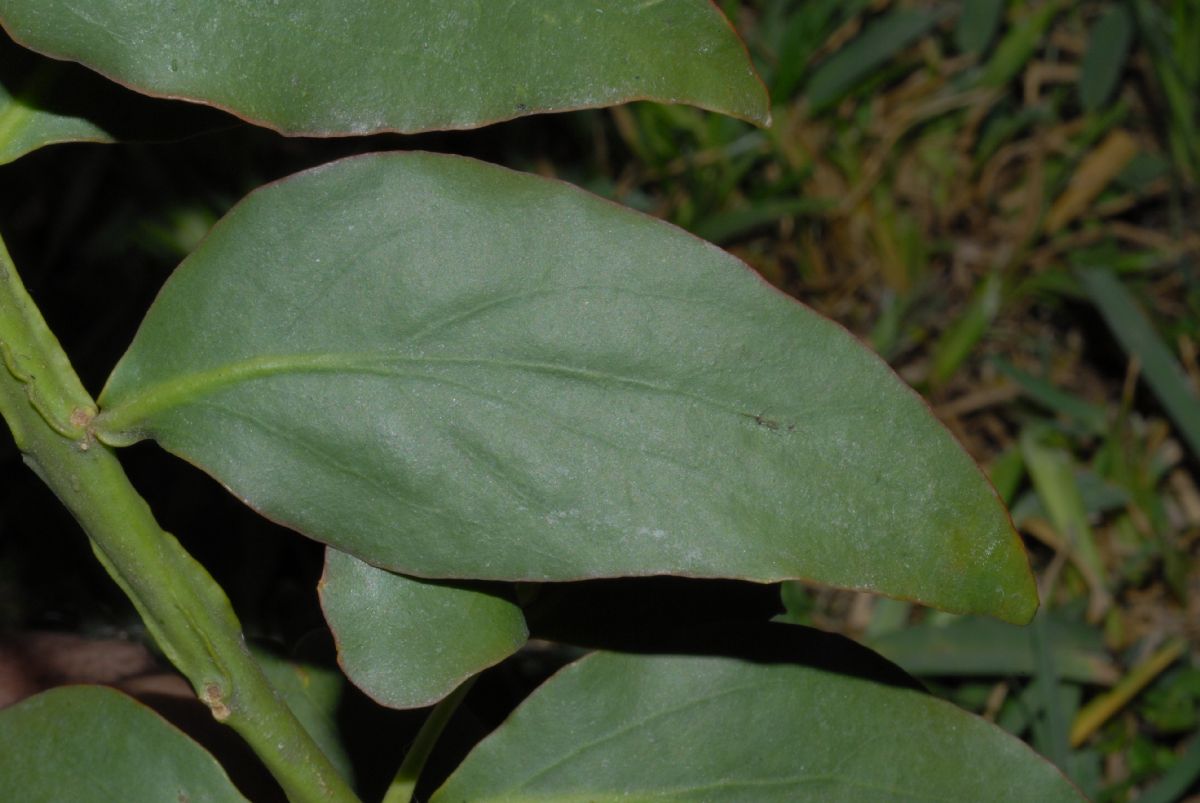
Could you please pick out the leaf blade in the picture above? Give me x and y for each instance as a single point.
(985, 647)
(598, 730)
(408, 643)
(885, 37)
(114, 746)
(1137, 335)
(977, 25)
(1105, 59)
(45, 102)
(312, 68)
(589, 397)
(24, 127)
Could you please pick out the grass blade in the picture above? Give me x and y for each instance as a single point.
(1177, 780)
(1054, 481)
(1102, 708)
(881, 41)
(1054, 740)
(978, 24)
(1180, 97)
(1092, 417)
(1108, 50)
(1018, 46)
(1137, 336)
(961, 337)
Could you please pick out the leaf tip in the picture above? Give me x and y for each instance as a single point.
(1018, 594)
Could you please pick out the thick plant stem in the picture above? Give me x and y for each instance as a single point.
(188, 614)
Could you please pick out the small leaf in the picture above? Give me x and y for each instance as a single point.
(1093, 418)
(1098, 495)
(406, 642)
(796, 33)
(972, 646)
(1052, 471)
(1137, 335)
(700, 728)
(880, 42)
(1019, 44)
(451, 370)
(89, 743)
(320, 67)
(1108, 50)
(25, 123)
(1180, 776)
(963, 334)
(724, 227)
(978, 24)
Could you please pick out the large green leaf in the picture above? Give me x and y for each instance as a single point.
(408, 643)
(45, 102)
(323, 67)
(624, 727)
(89, 743)
(449, 369)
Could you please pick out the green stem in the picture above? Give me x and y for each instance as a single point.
(405, 782)
(49, 414)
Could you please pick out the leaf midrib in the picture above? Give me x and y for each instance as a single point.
(121, 424)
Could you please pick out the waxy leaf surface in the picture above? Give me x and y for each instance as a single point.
(326, 67)
(46, 102)
(628, 727)
(90, 744)
(452, 370)
(408, 643)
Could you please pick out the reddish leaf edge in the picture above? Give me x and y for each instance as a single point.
(1022, 617)
(762, 121)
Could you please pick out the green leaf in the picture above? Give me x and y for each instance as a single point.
(799, 32)
(699, 728)
(451, 370)
(1178, 779)
(880, 42)
(971, 646)
(26, 124)
(724, 227)
(408, 643)
(1137, 335)
(89, 743)
(1092, 417)
(1052, 471)
(1097, 494)
(978, 23)
(1108, 50)
(313, 692)
(959, 339)
(318, 67)
(45, 102)
(1018, 45)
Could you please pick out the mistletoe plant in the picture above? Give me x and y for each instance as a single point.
(448, 372)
